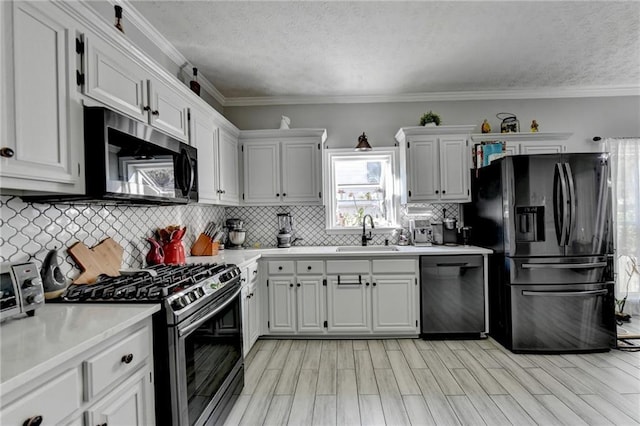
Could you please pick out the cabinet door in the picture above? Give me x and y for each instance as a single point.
(310, 297)
(348, 304)
(301, 172)
(203, 137)
(228, 164)
(454, 171)
(541, 148)
(393, 303)
(246, 318)
(114, 80)
(282, 314)
(262, 172)
(424, 174)
(169, 110)
(131, 404)
(44, 127)
(254, 316)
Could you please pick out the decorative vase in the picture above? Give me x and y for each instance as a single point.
(430, 124)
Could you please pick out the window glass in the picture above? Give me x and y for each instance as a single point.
(361, 184)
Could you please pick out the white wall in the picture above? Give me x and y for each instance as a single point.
(585, 117)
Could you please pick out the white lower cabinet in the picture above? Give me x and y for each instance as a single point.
(282, 307)
(250, 308)
(310, 304)
(125, 405)
(110, 383)
(394, 300)
(362, 297)
(348, 303)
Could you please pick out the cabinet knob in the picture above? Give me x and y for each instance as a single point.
(277, 194)
(127, 358)
(437, 192)
(291, 285)
(298, 284)
(155, 112)
(284, 194)
(222, 191)
(255, 272)
(7, 152)
(367, 283)
(308, 268)
(279, 268)
(33, 421)
(374, 284)
(147, 108)
(444, 192)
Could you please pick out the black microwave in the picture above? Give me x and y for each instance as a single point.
(126, 160)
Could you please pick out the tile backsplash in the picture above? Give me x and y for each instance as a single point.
(29, 230)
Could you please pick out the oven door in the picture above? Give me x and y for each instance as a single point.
(207, 361)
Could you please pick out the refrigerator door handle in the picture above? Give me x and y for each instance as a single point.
(587, 293)
(589, 265)
(572, 201)
(560, 213)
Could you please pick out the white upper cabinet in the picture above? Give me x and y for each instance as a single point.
(526, 143)
(261, 172)
(217, 159)
(117, 81)
(228, 166)
(435, 163)
(41, 118)
(301, 176)
(282, 166)
(169, 110)
(203, 138)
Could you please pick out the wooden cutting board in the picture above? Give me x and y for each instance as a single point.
(103, 258)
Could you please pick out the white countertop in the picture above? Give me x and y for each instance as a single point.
(31, 346)
(246, 256)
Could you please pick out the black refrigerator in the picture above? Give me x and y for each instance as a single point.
(548, 219)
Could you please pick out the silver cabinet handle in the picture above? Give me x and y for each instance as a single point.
(564, 265)
(565, 293)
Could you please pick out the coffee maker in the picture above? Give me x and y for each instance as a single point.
(285, 230)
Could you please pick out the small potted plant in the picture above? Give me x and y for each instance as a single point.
(430, 119)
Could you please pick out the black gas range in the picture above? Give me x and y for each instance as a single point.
(198, 364)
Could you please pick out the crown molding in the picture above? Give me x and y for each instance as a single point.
(150, 32)
(543, 93)
(520, 137)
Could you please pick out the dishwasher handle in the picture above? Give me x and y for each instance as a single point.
(459, 265)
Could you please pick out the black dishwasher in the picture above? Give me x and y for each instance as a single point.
(452, 297)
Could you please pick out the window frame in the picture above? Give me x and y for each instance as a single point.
(331, 155)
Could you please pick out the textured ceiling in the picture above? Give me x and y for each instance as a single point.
(309, 48)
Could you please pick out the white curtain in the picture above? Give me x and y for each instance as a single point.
(625, 177)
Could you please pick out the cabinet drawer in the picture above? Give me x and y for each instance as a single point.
(392, 266)
(310, 267)
(252, 271)
(281, 267)
(52, 401)
(116, 362)
(347, 266)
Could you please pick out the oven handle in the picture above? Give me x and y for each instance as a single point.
(188, 329)
(565, 293)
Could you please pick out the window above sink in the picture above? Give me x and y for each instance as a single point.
(359, 184)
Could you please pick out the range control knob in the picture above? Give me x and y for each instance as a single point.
(28, 283)
(34, 298)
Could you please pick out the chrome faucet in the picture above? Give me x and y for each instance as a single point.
(364, 229)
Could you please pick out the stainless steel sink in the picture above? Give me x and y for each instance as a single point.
(366, 249)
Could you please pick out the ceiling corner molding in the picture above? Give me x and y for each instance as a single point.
(150, 32)
(542, 93)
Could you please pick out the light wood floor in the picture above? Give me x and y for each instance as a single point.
(407, 381)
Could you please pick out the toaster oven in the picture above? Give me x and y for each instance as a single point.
(21, 288)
